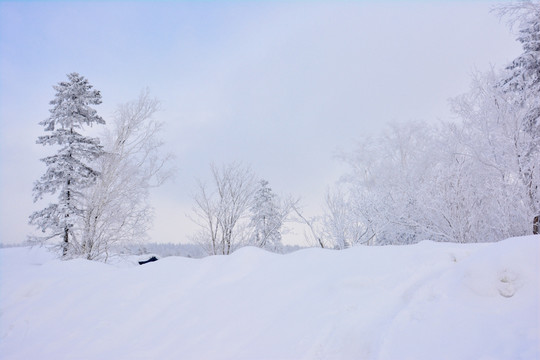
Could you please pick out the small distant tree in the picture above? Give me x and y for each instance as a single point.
(315, 236)
(69, 171)
(267, 217)
(222, 209)
(342, 221)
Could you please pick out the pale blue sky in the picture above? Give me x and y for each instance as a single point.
(279, 85)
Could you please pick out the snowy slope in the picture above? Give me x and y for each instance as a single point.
(424, 301)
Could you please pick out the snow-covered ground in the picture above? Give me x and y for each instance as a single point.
(424, 301)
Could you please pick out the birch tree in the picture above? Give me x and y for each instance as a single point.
(118, 211)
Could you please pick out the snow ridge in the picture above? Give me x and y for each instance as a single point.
(424, 301)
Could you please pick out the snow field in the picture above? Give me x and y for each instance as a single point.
(423, 301)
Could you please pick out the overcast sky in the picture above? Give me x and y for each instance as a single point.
(281, 86)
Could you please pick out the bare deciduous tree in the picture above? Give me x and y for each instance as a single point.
(315, 236)
(117, 207)
(222, 210)
(343, 220)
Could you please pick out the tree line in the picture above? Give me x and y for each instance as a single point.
(472, 180)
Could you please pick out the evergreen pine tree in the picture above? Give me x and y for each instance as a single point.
(266, 219)
(68, 171)
(523, 82)
(524, 78)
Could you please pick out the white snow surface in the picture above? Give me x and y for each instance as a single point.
(423, 301)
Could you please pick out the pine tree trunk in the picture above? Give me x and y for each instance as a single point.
(66, 242)
(66, 227)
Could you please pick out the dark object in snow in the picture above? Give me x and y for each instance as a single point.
(536, 225)
(153, 258)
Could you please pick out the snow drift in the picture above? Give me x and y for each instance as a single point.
(424, 301)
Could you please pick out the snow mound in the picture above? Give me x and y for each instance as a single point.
(423, 301)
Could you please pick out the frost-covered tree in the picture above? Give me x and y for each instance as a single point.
(383, 193)
(266, 218)
(222, 210)
(523, 82)
(343, 220)
(460, 182)
(314, 234)
(492, 138)
(69, 171)
(473, 180)
(117, 210)
(524, 71)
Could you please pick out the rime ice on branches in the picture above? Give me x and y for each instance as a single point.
(69, 171)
